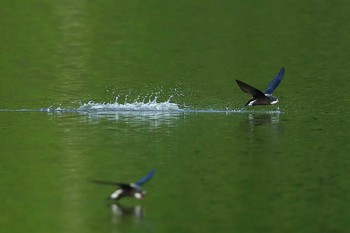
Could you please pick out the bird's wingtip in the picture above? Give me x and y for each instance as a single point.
(153, 171)
(147, 177)
(238, 81)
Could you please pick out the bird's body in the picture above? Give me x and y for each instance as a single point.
(128, 190)
(259, 97)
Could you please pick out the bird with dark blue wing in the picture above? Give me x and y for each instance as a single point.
(128, 190)
(259, 97)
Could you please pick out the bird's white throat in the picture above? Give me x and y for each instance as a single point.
(275, 101)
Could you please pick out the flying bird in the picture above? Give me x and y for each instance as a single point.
(128, 190)
(259, 97)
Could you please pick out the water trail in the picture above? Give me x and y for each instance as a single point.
(145, 104)
(151, 105)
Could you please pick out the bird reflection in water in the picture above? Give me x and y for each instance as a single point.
(262, 119)
(120, 212)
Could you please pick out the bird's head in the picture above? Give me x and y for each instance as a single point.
(273, 99)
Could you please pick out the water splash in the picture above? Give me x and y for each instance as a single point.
(151, 105)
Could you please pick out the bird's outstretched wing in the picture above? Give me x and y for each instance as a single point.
(104, 182)
(146, 177)
(275, 82)
(250, 90)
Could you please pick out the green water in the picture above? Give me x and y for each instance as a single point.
(217, 171)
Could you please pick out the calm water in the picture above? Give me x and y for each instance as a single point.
(219, 168)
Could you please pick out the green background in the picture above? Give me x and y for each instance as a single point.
(247, 171)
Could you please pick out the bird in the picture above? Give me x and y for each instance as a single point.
(259, 97)
(126, 189)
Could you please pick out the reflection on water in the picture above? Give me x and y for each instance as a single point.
(153, 119)
(73, 46)
(120, 211)
(261, 119)
(267, 122)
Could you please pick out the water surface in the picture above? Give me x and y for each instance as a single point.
(109, 90)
